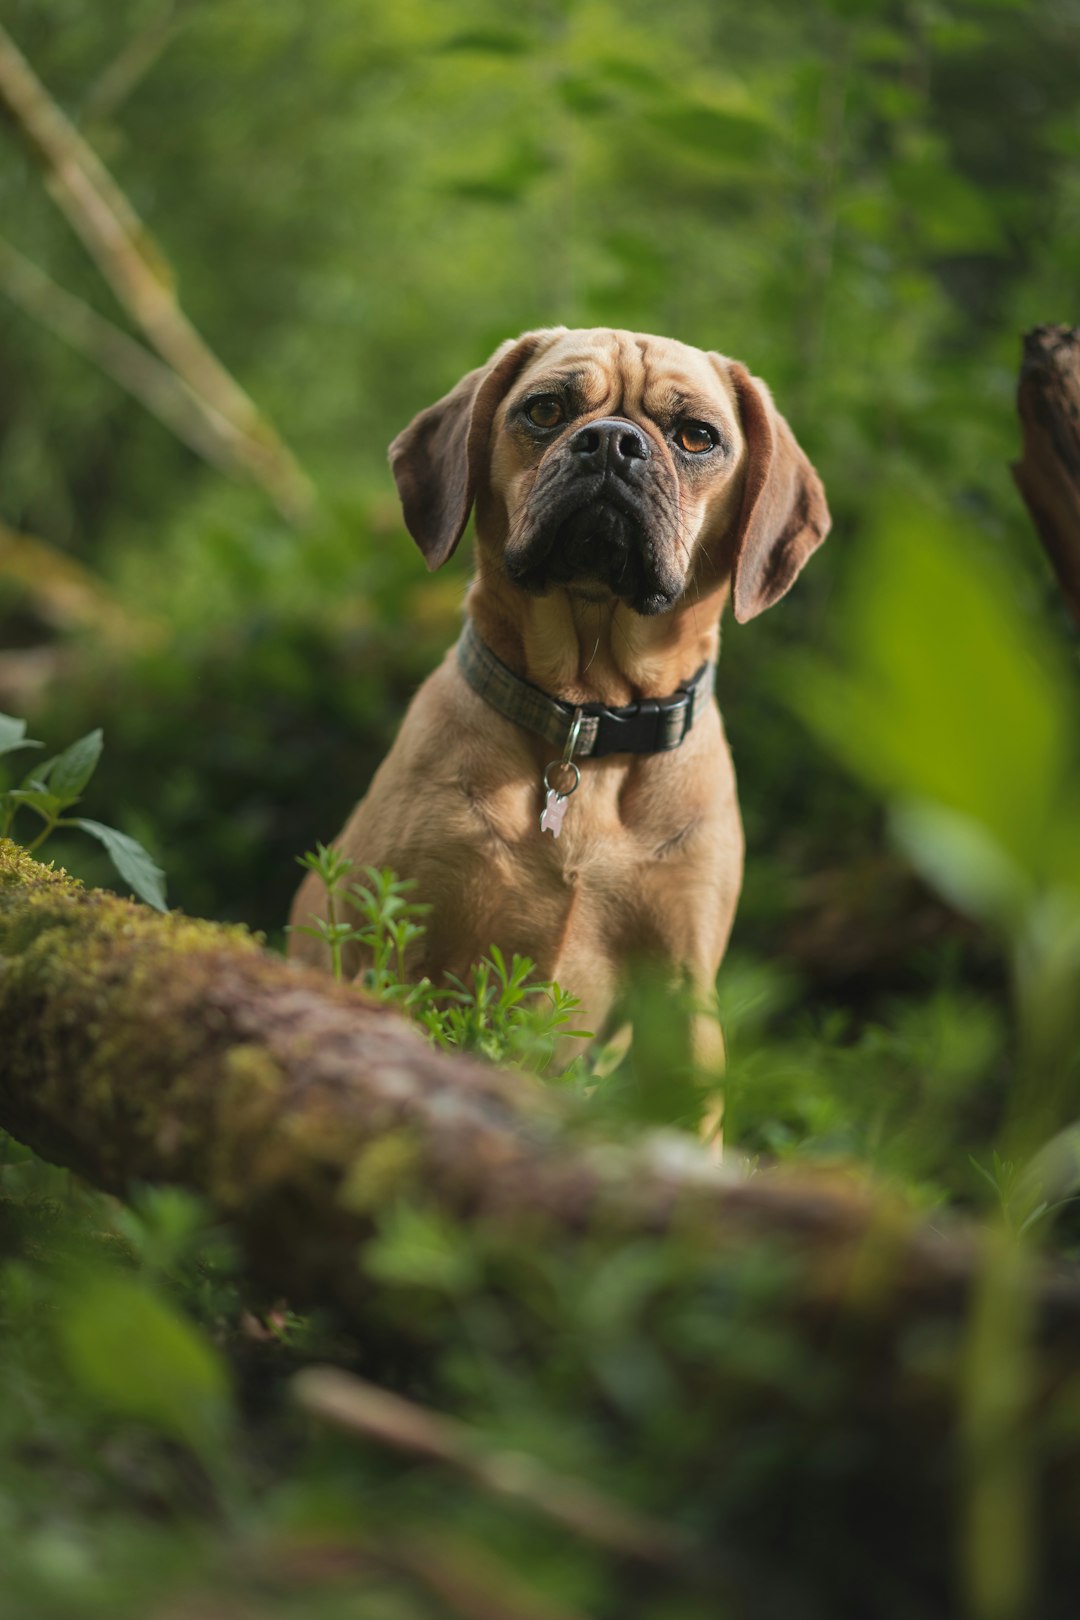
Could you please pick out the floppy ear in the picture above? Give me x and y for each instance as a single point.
(784, 516)
(437, 459)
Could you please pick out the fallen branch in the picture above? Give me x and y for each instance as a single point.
(362, 1409)
(469, 1580)
(1048, 472)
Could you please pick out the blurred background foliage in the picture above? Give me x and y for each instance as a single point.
(865, 200)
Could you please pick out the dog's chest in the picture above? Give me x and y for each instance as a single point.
(617, 819)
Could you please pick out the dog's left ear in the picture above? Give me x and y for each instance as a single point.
(437, 460)
(784, 515)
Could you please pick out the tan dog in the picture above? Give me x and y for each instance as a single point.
(624, 485)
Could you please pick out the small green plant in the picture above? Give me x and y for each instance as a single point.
(55, 786)
(332, 867)
(1017, 1189)
(387, 922)
(499, 1010)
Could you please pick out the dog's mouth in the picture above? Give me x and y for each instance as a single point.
(598, 549)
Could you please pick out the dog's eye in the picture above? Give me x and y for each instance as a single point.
(695, 437)
(545, 411)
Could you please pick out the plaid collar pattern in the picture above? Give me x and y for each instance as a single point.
(651, 726)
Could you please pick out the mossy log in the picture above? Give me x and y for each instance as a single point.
(930, 1381)
(135, 1047)
(1048, 472)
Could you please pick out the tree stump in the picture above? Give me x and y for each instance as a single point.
(1048, 472)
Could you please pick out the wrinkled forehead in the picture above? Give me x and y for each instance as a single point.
(617, 371)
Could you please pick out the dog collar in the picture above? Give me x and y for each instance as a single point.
(650, 726)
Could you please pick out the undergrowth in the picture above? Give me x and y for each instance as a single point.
(501, 1010)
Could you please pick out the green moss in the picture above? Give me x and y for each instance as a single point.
(96, 994)
(382, 1171)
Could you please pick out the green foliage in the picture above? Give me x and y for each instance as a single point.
(131, 1353)
(500, 1010)
(57, 785)
(969, 727)
(1014, 1192)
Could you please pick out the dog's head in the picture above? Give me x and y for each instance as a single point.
(617, 466)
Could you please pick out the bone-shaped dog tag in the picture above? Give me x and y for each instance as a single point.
(555, 800)
(551, 817)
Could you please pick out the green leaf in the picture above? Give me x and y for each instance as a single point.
(13, 735)
(38, 775)
(951, 215)
(582, 95)
(489, 42)
(133, 1354)
(630, 75)
(36, 797)
(960, 858)
(517, 170)
(132, 862)
(418, 1248)
(715, 134)
(71, 770)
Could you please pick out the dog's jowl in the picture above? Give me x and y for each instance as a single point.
(561, 785)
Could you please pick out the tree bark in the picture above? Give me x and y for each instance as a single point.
(1048, 472)
(136, 1048)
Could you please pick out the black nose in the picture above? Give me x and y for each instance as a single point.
(613, 442)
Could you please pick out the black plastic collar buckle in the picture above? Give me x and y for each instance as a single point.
(651, 726)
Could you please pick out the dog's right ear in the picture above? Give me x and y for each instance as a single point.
(437, 460)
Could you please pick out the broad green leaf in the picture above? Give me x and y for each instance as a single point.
(71, 770)
(132, 862)
(950, 695)
(959, 858)
(13, 735)
(132, 1353)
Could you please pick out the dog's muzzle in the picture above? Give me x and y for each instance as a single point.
(593, 519)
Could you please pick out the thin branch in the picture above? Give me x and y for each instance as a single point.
(475, 1585)
(357, 1407)
(468, 1580)
(130, 65)
(62, 588)
(125, 360)
(117, 240)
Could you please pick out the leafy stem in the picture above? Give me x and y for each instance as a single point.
(498, 1010)
(57, 785)
(51, 824)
